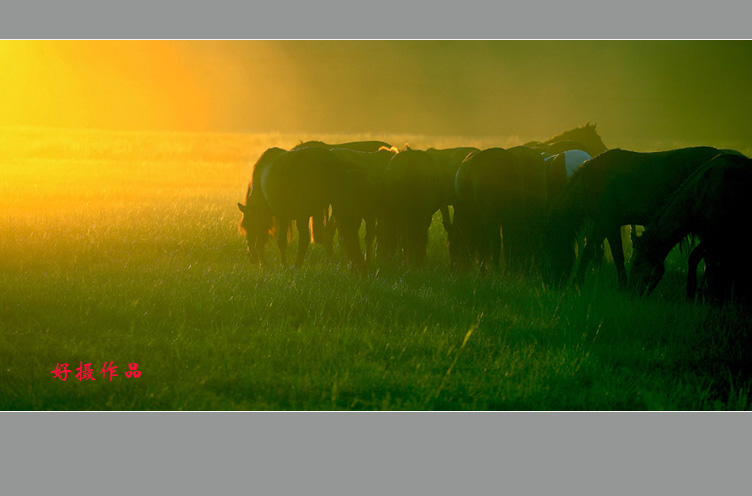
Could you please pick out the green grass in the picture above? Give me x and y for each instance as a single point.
(155, 272)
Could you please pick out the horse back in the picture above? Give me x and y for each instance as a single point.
(362, 146)
(491, 182)
(299, 182)
(412, 182)
(629, 187)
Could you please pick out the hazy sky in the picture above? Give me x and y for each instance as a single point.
(694, 92)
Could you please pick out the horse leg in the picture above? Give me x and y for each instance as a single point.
(514, 237)
(419, 243)
(321, 232)
(459, 238)
(495, 247)
(350, 242)
(386, 242)
(617, 252)
(445, 218)
(633, 233)
(588, 252)
(694, 260)
(330, 227)
(370, 237)
(304, 239)
(282, 227)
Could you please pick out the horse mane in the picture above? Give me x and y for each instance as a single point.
(308, 144)
(392, 149)
(569, 135)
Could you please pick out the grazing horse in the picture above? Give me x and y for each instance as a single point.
(411, 196)
(373, 166)
(580, 138)
(616, 188)
(301, 183)
(323, 229)
(490, 189)
(713, 204)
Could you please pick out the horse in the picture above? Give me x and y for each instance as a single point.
(323, 229)
(710, 204)
(490, 190)
(360, 146)
(536, 196)
(578, 142)
(447, 161)
(580, 138)
(257, 222)
(560, 168)
(410, 198)
(302, 183)
(616, 188)
(373, 166)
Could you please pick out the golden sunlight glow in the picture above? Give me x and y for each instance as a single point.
(100, 84)
(530, 89)
(74, 109)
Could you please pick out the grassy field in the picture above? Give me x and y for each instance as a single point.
(124, 248)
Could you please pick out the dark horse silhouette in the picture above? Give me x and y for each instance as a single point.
(498, 192)
(373, 165)
(712, 204)
(323, 228)
(411, 195)
(299, 184)
(616, 188)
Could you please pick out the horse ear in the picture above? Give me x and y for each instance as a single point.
(241, 207)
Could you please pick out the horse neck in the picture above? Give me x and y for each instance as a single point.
(585, 135)
(266, 158)
(671, 225)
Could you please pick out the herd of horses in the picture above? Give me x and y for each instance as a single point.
(545, 206)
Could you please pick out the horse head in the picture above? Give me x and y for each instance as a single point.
(647, 270)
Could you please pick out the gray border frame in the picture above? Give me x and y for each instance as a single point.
(373, 453)
(385, 19)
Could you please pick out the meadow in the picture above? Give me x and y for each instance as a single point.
(123, 247)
